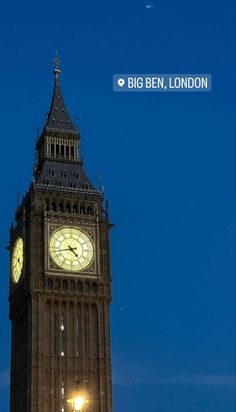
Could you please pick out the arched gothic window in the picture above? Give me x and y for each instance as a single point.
(68, 207)
(54, 206)
(81, 210)
(89, 210)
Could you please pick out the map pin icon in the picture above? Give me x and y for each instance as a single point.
(121, 82)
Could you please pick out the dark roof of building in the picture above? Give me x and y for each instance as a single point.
(58, 119)
(67, 175)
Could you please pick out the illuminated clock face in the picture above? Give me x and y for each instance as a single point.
(71, 249)
(17, 260)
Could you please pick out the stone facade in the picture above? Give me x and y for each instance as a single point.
(60, 319)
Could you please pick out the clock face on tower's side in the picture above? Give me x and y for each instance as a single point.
(17, 260)
(71, 249)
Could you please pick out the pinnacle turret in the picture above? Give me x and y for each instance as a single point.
(58, 119)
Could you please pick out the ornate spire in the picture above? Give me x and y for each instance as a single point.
(58, 119)
(59, 162)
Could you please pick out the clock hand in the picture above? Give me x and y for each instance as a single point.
(62, 250)
(72, 250)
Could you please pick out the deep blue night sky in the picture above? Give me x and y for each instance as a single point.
(168, 167)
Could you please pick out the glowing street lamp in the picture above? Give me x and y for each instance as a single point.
(77, 402)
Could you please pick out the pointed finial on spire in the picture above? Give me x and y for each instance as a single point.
(57, 63)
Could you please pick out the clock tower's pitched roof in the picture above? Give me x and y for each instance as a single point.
(64, 175)
(58, 119)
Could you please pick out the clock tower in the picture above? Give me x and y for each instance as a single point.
(60, 279)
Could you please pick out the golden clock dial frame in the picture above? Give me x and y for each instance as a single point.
(17, 260)
(71, 249)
